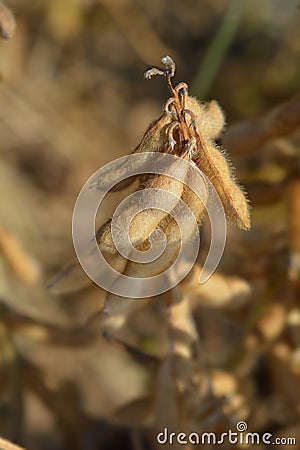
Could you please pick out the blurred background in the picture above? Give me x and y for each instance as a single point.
(73, 97)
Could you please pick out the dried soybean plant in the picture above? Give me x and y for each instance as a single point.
(187, 129)
(190, 394)
(248, 350)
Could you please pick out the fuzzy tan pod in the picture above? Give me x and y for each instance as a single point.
(214, 162)
(187, 129)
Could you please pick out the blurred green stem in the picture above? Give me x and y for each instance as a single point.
(215, 54)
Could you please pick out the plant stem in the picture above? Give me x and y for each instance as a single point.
(215, 54)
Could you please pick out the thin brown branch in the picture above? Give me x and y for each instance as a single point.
(249, 136)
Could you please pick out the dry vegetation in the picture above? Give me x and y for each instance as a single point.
(201, 358)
